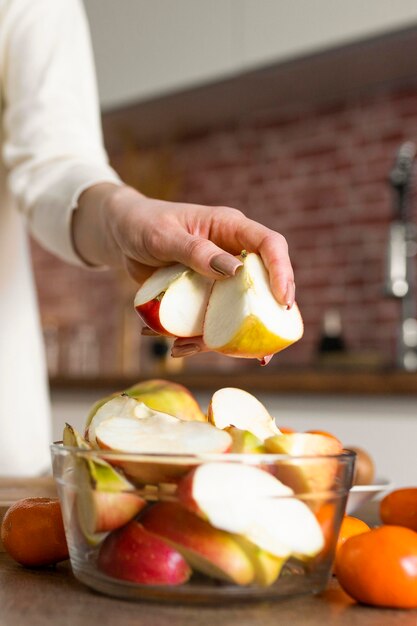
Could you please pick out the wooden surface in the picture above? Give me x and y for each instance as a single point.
(319, 380)
(53, 597)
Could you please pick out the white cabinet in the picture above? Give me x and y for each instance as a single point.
(145, 48)
(278, 30)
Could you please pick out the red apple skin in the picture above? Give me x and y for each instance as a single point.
(115, 509)
(149, 314)
(185, 494)
(133, 553)
(205, 547)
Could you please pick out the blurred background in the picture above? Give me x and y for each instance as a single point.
(300, 114)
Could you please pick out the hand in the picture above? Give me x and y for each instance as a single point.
(119, 226)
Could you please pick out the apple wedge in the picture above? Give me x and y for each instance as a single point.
(119, 406)
(259, 507)
(173, 301)
(207, 488)
(137, 555)
(234, 407)
(105, 499)
(160, 395)
(267, 567)
(206, 549)
(161, 435)
(243, 319)
(306, 475)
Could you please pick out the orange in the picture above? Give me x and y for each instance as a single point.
(350, 527)
(32, 532)
(400, 508)
(379, 567)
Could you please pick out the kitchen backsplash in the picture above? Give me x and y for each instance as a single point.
(317, 174)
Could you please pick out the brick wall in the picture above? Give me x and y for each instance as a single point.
(317, 175)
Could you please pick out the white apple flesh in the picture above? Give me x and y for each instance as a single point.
(173, 301)
(243, 318)
(234, 407)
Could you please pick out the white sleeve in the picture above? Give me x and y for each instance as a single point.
(51, 122)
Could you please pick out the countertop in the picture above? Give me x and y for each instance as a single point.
(328, 380)
(52, 597)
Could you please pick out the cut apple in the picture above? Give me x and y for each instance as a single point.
(137, 555)
(173, 301)
(208, 550)
(267, 567)
(105, 499)
(286, 526)
(228, 494)
(243, 319)
(259, 507)
(160, 434)
(303, 474)
(168, 397)
(234, 407)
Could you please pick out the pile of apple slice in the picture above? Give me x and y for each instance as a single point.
(233, 518)
(237, 316)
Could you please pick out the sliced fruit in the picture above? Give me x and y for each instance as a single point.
(161, 434)
(137, 555)
(173, 301)
(104, 498)
(305, 475)
(208, 550)
(168, 397)
(119, 406)
(243, 319)
(234, 407)
(228, 494)
(244, 442)
(284, 526)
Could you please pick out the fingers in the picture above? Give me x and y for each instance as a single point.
(204, 256)
(188, 346)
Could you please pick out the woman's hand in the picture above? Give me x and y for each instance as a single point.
(119, 226)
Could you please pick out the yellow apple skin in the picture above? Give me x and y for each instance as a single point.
(160, 395)
(267, 567)
(244, 442)
(305, 475)
(254, 340)
(208, 550)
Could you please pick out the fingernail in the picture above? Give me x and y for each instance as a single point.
(225, 264)
(290, 294)
(185, 350)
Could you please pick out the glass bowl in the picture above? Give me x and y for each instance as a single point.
(205, 528)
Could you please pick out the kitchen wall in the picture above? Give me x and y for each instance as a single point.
(316, 173)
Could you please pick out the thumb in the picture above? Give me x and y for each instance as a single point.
(203, 256)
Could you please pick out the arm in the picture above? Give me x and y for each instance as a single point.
(53, 145)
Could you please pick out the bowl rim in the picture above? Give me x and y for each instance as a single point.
(57, 446)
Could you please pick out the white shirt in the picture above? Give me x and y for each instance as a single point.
(52, 150)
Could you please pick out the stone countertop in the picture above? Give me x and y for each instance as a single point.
(53, 597)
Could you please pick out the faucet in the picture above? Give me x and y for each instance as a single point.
(402, 248)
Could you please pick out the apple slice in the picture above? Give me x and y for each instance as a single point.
(104, 498)
(168, 397)
(119, 406)
(160, 435)
(137, 555)
(228, 494)
(284, 526)
(208, 550)
(243, 319)
(247, 500)
(306, 475)
(234, 407)
(173, 301)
